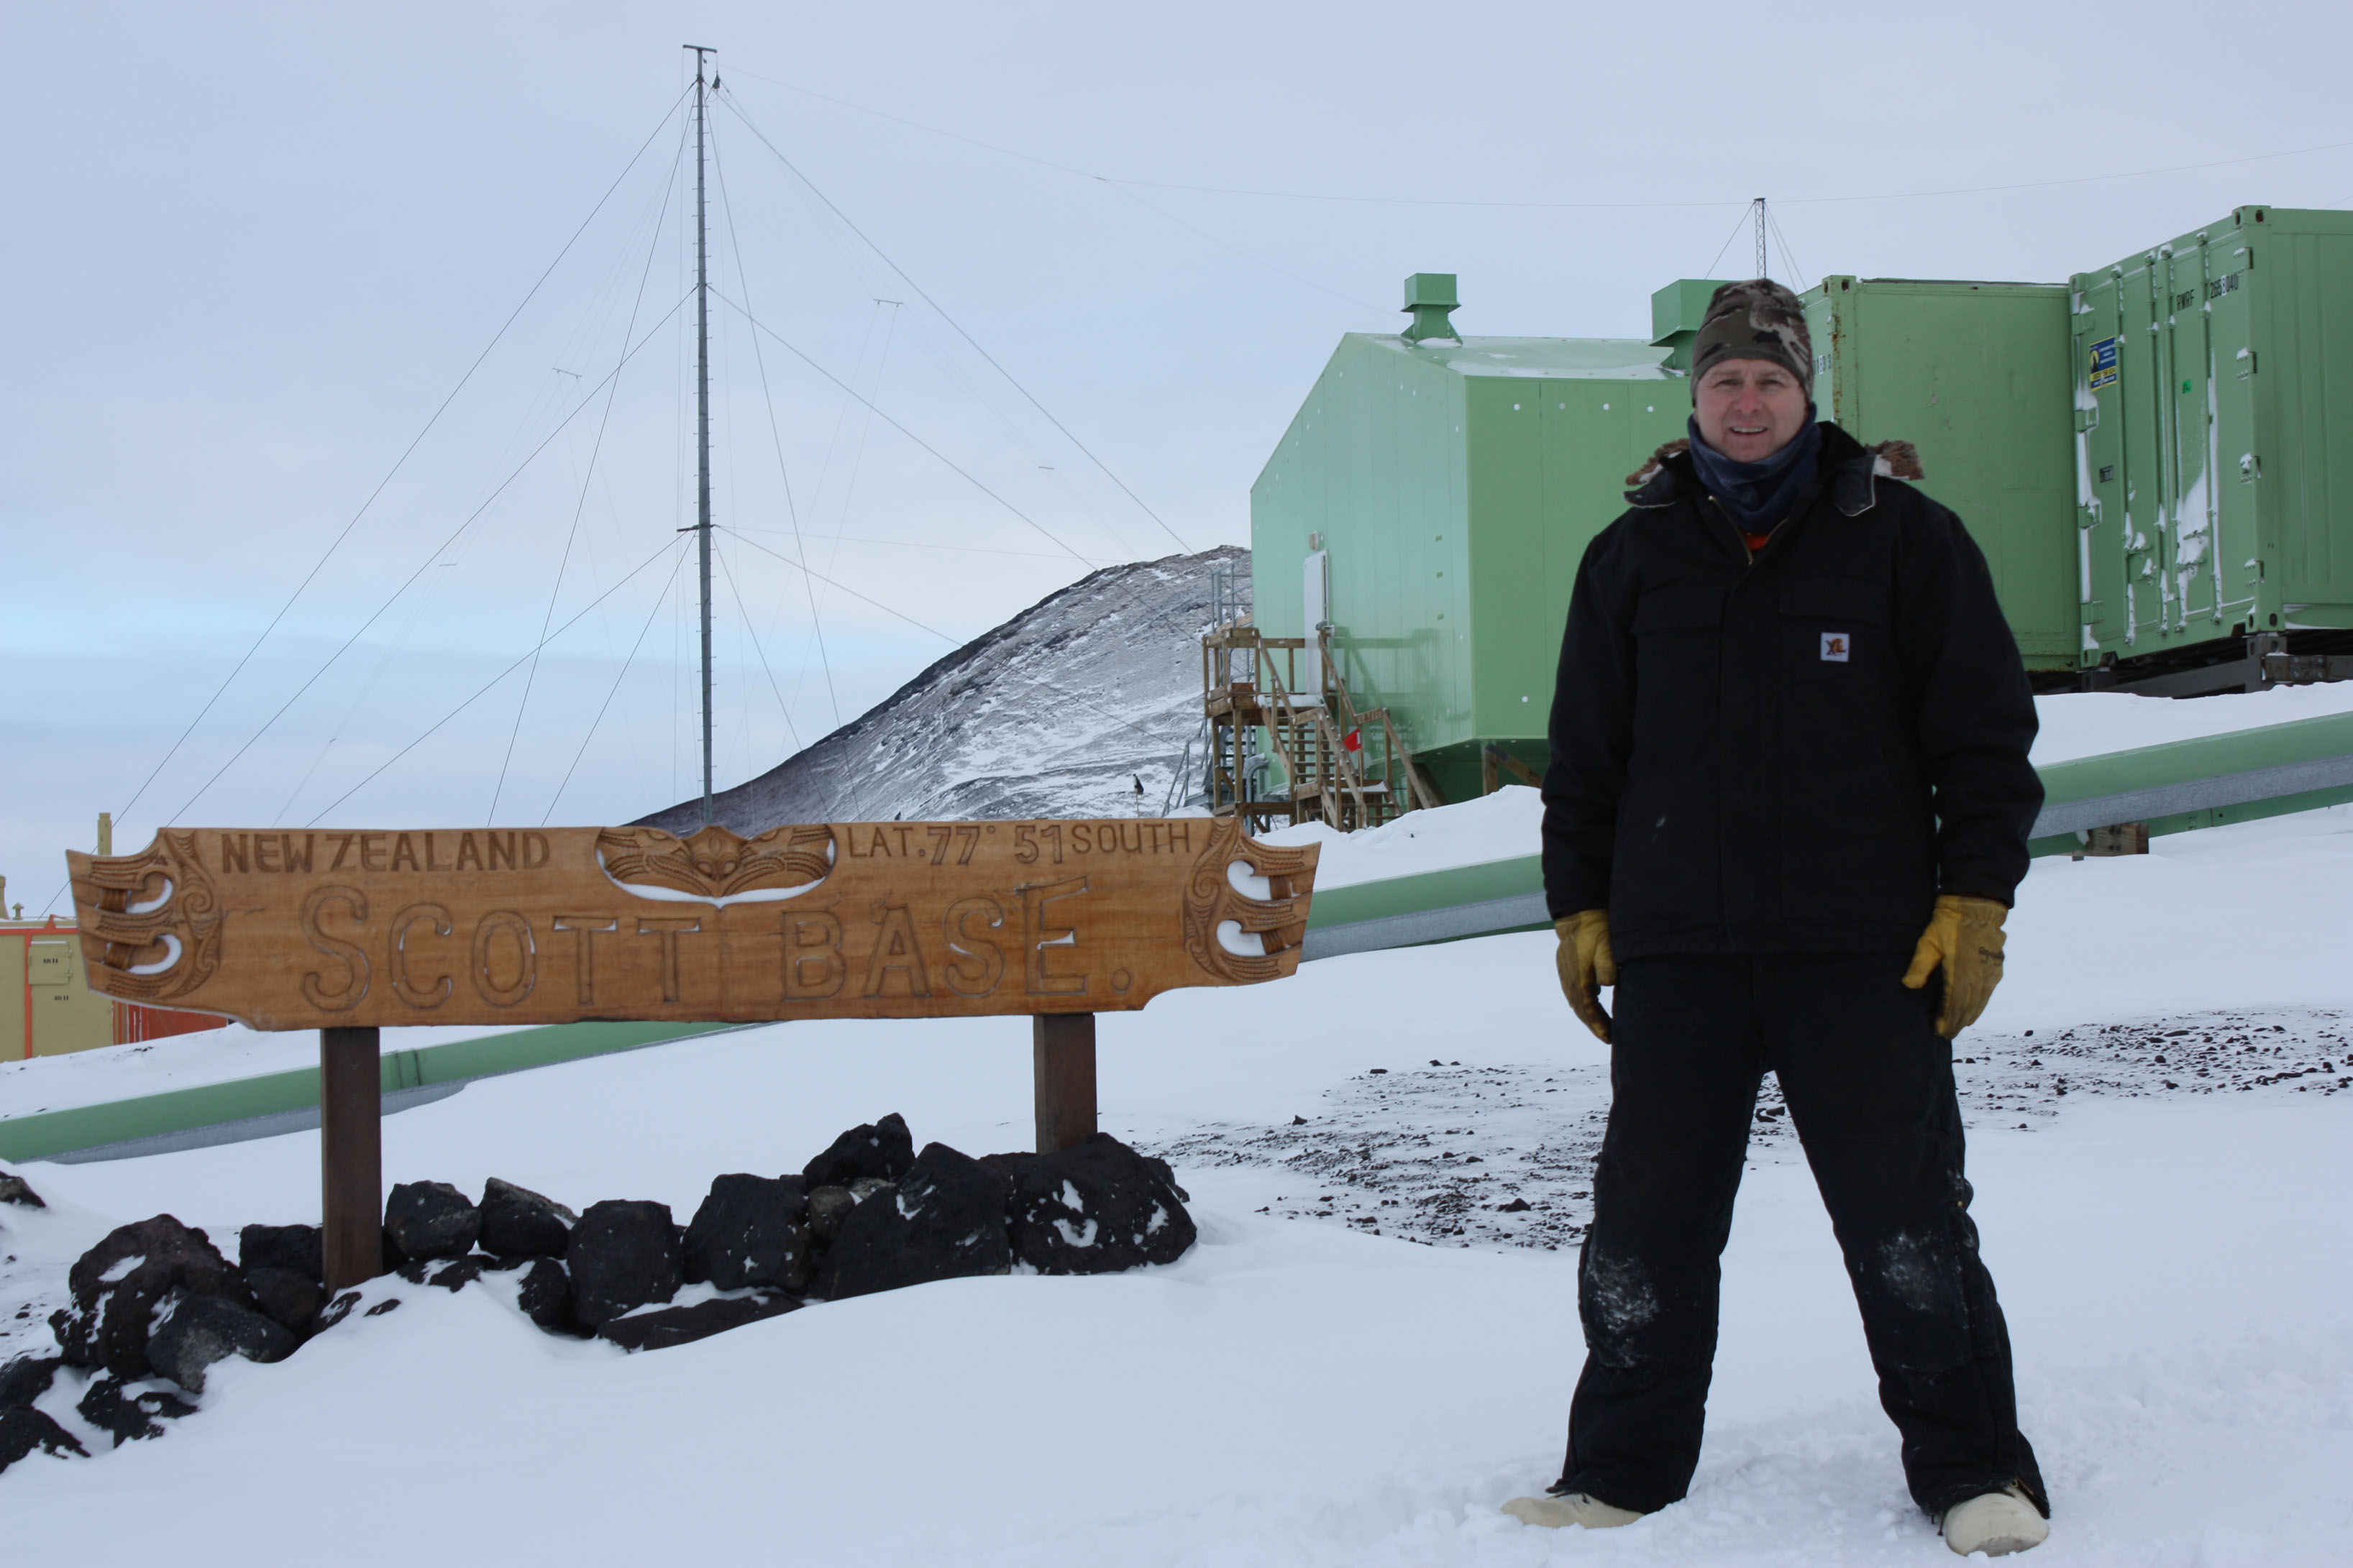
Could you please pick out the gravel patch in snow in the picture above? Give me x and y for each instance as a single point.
(1502, 1156)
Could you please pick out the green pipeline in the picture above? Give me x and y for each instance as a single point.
(2207, 757)
(50, 1132)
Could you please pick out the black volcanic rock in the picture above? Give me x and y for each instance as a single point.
(430, 1219)
(545, 1297)
(456, 1275)
(828, 1207)
(668, 1326)
(26, 1378)
(293, 1248)
(945, 1220)
(623, 1254)
(748, 1232)
(119, 1284)
(291, 1300)
(23, 1429)
(1006, 1168)
(1097, 1207)
(882, 1149)
(192, 1333)
(129, 1416)
(520, 1222)
(14, 1189)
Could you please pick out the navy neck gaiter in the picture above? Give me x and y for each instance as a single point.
(1759, 496)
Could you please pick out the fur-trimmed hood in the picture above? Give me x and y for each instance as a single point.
(1850, 470)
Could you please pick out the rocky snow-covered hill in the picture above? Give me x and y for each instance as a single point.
(1060, 712)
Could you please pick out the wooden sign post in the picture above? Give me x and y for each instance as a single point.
(348, 932)
(351, 1155)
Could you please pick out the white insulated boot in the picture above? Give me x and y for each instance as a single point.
(1572, 1507)
(1997, 1523)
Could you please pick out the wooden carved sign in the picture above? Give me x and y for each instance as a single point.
(890, 919)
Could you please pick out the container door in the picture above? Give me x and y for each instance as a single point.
(1978, 377)
(2165, 400)
(2239, 565)
(2189, 524)
(2305, 459)
(51, 995)
(13, 957)
(1830, 323)
(2141, 385)
(49, 962)
(2103, 526)
(2199, 582)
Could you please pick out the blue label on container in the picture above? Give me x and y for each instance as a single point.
(2104, 362)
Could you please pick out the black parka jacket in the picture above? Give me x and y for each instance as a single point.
(1792, 750)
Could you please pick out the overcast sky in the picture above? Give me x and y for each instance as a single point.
(248, 252)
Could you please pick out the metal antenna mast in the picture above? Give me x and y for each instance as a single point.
(703, 409)
(1761, 263)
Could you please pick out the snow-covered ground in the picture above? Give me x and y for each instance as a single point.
(1365, 1354)
(2081, 724)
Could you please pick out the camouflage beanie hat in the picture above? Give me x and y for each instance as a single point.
(1755, 319)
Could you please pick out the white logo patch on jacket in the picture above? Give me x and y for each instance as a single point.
(1835, 645)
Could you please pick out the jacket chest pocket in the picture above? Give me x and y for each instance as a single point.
(1678, 631)
(1841, 731)
(1684, 607)
(1834, 621)
(1833, 672)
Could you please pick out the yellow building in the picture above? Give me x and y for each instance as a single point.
(45, 1009)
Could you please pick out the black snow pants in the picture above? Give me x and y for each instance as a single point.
(1869, 1084)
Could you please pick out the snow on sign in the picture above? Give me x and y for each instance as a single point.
(313, 930)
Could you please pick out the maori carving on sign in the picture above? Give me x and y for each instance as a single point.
(516, 927)
(715, 863)
(1212, 901)
(151, 920)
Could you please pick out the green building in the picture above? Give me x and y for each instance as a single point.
(1976, 376)
(1436, 493)
(2213, 398)
(2157, 460)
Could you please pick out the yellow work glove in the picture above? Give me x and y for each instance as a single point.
(1586, 966)
(1964, 939)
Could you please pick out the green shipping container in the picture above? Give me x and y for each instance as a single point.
(1441, 494)
(2213, 418)
(1976, 377)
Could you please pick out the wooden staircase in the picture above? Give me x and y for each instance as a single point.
(1345, 766)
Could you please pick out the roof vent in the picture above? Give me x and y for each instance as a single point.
(1428, 297)
(1677, 313)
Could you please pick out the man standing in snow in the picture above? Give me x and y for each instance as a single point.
(1789, 790)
